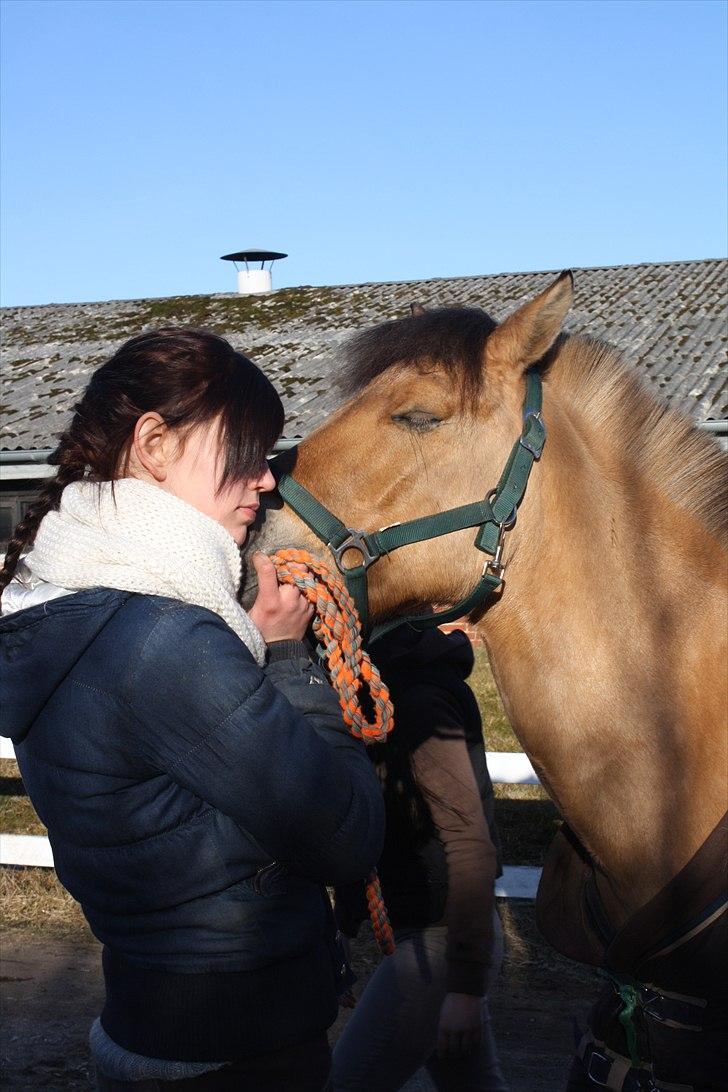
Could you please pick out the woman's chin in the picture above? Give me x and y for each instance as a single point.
(237, 531)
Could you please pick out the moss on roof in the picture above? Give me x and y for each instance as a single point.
(668, 318)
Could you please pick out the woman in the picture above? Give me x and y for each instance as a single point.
(198, 790)
(427, 1004)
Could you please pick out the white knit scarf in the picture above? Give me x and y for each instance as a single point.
(142, 539)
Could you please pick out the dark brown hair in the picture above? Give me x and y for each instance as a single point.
(188, 377)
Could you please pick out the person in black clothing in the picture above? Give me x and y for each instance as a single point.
(192, 766)
(427, 1004)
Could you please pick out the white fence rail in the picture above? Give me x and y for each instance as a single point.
(506, 768)
(6, 748)
(26, 849)
(517, 881)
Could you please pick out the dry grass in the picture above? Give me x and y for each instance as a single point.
(497, 732)
(33, 897)
(526, 826)
(30, 897)
(9, 774)
(17, 815)
(526, 817)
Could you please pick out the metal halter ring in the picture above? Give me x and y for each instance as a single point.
(354, 541)
(506, 524)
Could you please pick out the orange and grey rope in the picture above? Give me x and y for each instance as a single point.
(336, 627)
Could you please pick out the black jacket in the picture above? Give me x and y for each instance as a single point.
(196, 806)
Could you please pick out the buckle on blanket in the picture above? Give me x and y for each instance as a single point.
(614, 1072)
(600, 1067)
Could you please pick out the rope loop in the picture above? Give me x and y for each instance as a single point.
(337, 629)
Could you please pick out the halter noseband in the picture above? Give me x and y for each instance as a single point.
(493, 517)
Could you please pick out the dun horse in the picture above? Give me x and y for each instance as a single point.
(607, 638)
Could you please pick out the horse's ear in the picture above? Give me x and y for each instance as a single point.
(529, 332)
(416, 309)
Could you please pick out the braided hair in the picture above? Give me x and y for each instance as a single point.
(71, 468)
(189, 377)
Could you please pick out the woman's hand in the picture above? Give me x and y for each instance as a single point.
(280, 612)
(460, 1028)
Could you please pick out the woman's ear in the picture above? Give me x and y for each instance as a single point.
(150, 445)
(526, 335)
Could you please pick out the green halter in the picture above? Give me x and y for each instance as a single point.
(493, 517)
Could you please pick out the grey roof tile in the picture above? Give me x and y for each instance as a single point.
(669, 319)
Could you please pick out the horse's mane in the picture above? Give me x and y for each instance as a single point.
(451, 337)
(594, 378)
(685, 464)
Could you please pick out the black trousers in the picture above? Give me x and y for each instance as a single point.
(305, 1067)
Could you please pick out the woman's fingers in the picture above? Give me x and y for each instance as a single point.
(456, 1044)
(280, 611)
(267, 578)
(471, 1039)
(460, 1026)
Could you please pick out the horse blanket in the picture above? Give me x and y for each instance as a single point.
(661, 1021)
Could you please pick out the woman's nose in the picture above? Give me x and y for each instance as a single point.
(266, 482)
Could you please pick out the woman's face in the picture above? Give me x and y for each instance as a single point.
(190, 468)
(193, 477)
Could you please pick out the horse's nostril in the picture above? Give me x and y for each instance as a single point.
(274, 502)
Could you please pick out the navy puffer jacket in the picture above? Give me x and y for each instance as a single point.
(196, 804)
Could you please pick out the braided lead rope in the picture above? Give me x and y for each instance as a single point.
(336, 626)
(378, 914)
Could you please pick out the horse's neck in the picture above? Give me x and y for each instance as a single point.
(606, 645)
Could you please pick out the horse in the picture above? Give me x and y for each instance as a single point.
(607, 631)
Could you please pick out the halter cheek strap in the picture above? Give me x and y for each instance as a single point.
(493, 517)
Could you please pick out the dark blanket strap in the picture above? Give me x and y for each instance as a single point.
(667, 1042)
(600, 1067)
(677, 941)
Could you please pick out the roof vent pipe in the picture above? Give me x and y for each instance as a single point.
(254, 282)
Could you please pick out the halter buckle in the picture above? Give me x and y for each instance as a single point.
(354, 540)
(533, 422)
(494, 565)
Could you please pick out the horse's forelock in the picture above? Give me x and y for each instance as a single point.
(449, 337)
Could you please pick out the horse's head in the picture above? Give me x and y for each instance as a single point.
(435, 407)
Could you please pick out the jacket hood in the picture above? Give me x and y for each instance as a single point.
(407, 648)
(41, 645)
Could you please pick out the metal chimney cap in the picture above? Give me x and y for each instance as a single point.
(253, 256)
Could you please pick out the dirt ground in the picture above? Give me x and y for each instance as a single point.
(52, 989)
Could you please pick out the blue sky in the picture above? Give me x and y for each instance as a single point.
(372, 141)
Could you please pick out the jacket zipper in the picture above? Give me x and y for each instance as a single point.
(261, 874)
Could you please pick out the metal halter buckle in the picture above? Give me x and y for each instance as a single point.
(535, 451)
(354, 541)
(494, 565)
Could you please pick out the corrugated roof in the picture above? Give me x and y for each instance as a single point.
(668, 318)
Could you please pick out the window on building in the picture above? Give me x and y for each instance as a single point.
(13, 507)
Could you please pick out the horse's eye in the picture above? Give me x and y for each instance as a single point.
(418, 420)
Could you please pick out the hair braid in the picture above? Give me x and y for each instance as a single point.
(71, 468)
